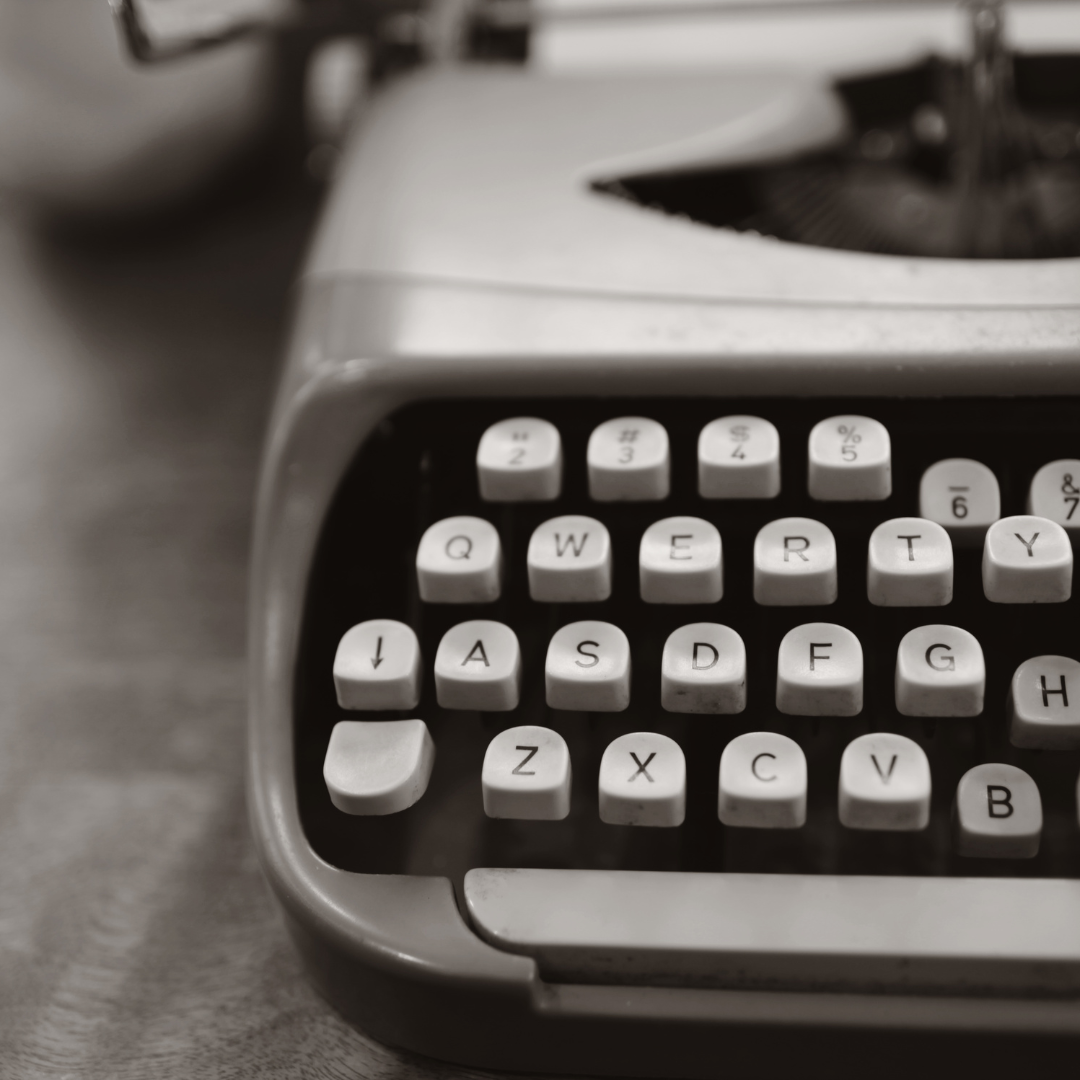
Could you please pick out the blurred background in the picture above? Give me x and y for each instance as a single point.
(151, 223)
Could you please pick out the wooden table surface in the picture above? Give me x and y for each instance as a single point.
(137, 936)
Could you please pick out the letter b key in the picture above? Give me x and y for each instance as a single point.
(998, 813)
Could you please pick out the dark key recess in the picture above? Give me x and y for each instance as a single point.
(419, 466)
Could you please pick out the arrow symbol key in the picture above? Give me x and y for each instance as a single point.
(377, 666)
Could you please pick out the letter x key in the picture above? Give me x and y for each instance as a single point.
(642, 769)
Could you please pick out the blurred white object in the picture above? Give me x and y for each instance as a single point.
(337, 75)
(83, 130)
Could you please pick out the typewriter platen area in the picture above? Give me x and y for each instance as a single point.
(977, 158)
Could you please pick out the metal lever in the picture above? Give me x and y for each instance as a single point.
(163, 29)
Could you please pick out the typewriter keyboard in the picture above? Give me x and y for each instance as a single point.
(815, 637)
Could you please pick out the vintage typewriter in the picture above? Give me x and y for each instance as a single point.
(663, 652)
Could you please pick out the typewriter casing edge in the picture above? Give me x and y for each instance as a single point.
(393, 953)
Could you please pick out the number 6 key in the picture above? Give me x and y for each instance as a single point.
(963, 497)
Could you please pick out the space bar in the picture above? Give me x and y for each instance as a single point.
(971, 935)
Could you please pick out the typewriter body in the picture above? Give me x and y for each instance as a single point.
(727, 284)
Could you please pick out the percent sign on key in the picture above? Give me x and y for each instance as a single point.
(851, 438)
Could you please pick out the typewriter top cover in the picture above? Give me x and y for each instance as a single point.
(735, 206)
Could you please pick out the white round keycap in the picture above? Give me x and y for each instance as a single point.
(643, 781)
(680, 561)
(963, 496)
(569, 561)
(520, 460)
(703, 670)
(998, 813)
(909, 564)
(378, 767)
(795, 564)
(459, 561)
(478, 666)
(526, 775)
(763, 782)
(377, 666)
(629, 459)
(819, 672)
(884, 784)
(940, 671)
(588, 668)
(850, 459)
(1044, 704)
(1055, 494)
(1027, 560)
(739, 458)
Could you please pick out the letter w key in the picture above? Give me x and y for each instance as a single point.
(571, 542)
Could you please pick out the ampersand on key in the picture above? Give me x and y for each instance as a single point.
(1067, 487)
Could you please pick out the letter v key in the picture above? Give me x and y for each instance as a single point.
(885, 776)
